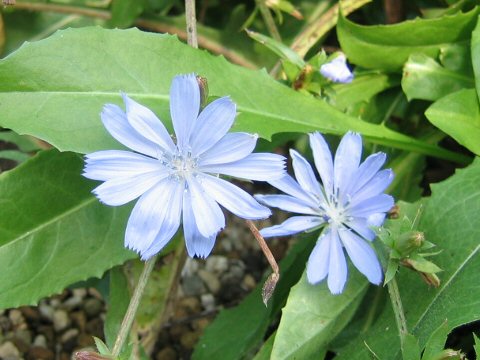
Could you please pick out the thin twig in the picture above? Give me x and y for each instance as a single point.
(269, 21)
(192, 39)
(148, 24)
(272, 280)
(133, 307)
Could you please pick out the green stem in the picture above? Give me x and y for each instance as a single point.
(132, 307)
(398, 310)
(268, 18)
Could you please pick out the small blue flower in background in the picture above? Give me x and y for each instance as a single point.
(348, 202)
(337, 70)
(178, 182)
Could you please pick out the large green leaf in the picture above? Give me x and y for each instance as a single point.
(450, 222)
(313, 316)
(458, 115)
(424, 78)
(388, 47)
(53, 232)
(55, 89)
(475, 50)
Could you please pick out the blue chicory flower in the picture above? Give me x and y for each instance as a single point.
(337, 70)
(349, 201)
(179, 182)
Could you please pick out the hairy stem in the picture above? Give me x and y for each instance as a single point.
(132, 307)
(268, 18)
(398, 310)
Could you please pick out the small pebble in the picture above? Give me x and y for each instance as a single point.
(40, 353)
(85, 340)
(8, 351)
(210, 280)
(46, 311)
(93, 307)
(200, 324)
(216, 264)
(60, 320)
(73, 302)
(208, 302)
(248, 282)
(79, 293)
(69, 335)
(166, 353)
(192, 285)
(16, 317)
(189, 339)
(40, 341)
(55, 303)
(192, 304)
(79, 320)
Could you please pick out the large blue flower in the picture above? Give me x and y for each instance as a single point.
(349, 201)
(179, 182)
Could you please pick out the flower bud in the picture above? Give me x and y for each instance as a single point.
(409, 241)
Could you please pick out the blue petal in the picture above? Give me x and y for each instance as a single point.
(233, 198)
(184, 106)
(170, 223)
(361, 227)
(362, 256)
(376, 219)
(374, 187)
(232, 147)
(115, 121)
(196, 243)
(304, 174)
(292, 225)
(121, 190)
(256, 166)
(347, 159)
(319, 260)
(323, 161)
(289, 186)
(109, 164)
(337, 268)
(376, 204)
(212, 124)
(288, 203)
(156, 214)
(366, 171)
(146, 123)
(209, 217)
(337, 70)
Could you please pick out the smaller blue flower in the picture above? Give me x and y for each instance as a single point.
(178, 183)
(337, 70)
(348, 202)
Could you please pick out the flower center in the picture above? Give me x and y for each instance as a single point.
(335, 211)
(182, 165)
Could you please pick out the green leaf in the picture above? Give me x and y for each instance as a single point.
(53, 232)
(436, 342)
(476, 56)
(476, 347)
(46, 92)
(424, 78)
(124, 12)
(266, 349)
(388, 47)
(449, 222)
(101, 347)
(458, 115)
(411, 350)
(313, 316)
(283, 51)
(14, 155)
(117, 300)
(235, 332)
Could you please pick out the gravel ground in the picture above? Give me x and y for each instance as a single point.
(63, 324)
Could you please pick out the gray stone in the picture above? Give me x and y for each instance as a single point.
(208, 302)
(61, 321)
(69, 335)
(40, 341)
(8, 351)
(46, 311)
(16, 317)
(80, 293)
(216, 264)
(193, 285)
(93, 307)
(210, 280)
